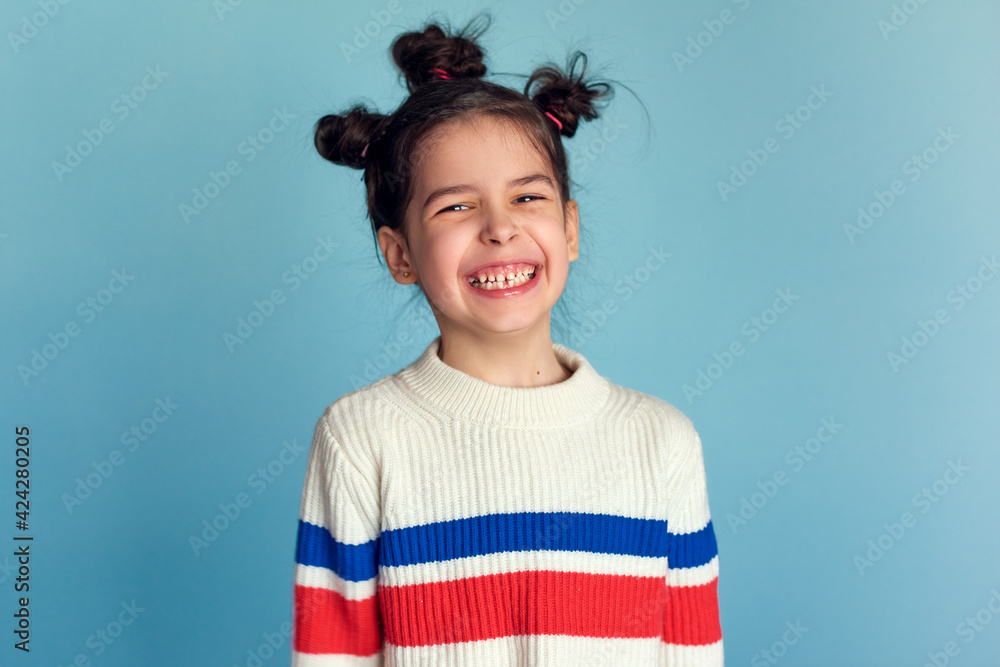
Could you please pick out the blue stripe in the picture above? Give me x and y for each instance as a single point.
(497, 533)
(353, 562)
(557, 531)
(692, 549)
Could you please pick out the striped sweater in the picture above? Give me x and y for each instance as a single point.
(449, 521)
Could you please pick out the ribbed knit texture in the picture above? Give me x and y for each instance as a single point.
(447, 521)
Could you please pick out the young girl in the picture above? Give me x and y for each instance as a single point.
(497, 501)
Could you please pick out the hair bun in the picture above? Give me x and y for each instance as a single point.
(418, 53)
(565, 95)
(342, 139)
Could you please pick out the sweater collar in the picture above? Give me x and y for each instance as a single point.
(468, 398)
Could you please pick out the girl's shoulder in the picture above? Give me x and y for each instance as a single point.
(655, 410)
(664, 424)
(674, 438)
(354, 421)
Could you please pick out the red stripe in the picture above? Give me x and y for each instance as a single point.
(543, 603)
(327, 622)
(692, 616)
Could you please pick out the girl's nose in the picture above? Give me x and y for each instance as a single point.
(498, 225)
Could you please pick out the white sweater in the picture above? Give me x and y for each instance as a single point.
(449, 521)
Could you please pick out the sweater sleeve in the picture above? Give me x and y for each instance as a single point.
(692, 630)
(336, 619)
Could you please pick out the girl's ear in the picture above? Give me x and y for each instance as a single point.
(397, 255)
(572, 216)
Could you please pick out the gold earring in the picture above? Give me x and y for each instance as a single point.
(405, 274)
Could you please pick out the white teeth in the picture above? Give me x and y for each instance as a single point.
(490, 281)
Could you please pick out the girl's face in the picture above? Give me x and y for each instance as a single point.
(485, 203)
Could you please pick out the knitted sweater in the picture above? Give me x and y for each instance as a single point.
(449, 521)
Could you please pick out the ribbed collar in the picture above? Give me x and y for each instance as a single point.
(465, 397)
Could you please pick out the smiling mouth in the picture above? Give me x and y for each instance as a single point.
(487, 281)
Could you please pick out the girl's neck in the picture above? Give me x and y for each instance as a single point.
(509, 360)
(443, 390)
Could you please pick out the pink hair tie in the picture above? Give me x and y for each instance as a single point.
(364, 151)
(555, 119)
(442, 73)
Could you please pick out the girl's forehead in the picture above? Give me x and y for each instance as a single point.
(501, 132)
(485, 142)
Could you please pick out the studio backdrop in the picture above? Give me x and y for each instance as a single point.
(789, 220)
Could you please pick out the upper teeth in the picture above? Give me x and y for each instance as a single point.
(491, 280)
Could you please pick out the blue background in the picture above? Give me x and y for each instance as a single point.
(641, 183)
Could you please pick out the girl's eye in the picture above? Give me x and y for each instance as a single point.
(451, 208)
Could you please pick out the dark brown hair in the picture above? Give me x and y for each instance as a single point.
(394, 142)
(386, 147)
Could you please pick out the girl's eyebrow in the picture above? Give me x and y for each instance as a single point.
(464, 187)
